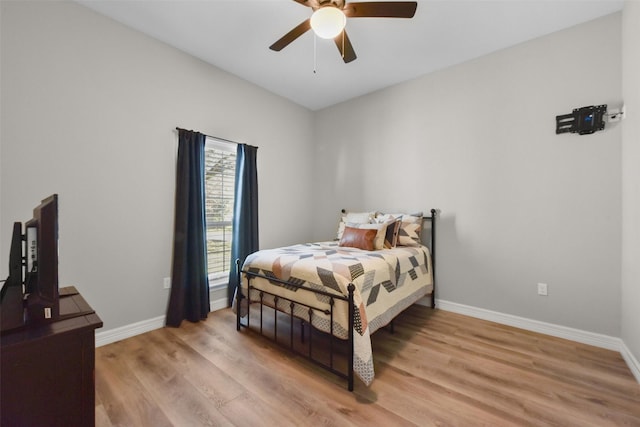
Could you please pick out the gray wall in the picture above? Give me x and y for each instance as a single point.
(520, 204)
(92, 105)
(631, 178)
(89, 109)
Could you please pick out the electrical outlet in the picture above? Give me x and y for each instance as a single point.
(167, 282)
(542, 289)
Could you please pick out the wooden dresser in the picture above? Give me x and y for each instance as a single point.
(48, 371)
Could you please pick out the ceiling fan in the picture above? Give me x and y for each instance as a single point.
(330, 17)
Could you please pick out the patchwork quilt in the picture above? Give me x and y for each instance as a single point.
(387, 281)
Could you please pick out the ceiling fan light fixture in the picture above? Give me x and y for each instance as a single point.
(327, 22)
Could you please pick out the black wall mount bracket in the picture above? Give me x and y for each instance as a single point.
(583, 120)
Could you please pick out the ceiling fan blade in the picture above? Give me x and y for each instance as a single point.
(308, 3)
(342, 40)
(291, 36)
(383, 9)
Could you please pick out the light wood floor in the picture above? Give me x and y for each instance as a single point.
(438, 368)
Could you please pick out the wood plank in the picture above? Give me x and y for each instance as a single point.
(180, 400)
(124, 399)
(286, 381)
(439, 368)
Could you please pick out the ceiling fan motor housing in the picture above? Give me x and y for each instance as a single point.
(335, 3)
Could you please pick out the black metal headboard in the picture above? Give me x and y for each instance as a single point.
(432, 247)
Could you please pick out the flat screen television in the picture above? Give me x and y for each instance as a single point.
(33, 268)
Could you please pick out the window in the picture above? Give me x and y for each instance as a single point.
(220, 172)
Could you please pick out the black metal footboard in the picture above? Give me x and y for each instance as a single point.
(305, 314)
(281, 303)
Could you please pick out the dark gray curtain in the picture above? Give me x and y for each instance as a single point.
(245, 211)
(189, 297)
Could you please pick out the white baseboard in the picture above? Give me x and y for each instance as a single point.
(632, 362)
(584, 337)
(128, 331)
(219, 304)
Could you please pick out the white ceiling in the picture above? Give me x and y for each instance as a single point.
(235, 36)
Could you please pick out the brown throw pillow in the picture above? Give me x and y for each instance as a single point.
(360, 238)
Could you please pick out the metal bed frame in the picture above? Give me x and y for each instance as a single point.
(310, 310)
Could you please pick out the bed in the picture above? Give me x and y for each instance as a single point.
(335, 294)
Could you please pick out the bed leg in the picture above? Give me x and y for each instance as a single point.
(352, 312)
(238, 294)
(392, 328)
(433, 256)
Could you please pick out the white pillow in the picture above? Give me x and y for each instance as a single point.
(354, 218)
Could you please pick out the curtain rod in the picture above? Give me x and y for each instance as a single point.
(214, 137)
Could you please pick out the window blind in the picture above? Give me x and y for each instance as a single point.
(220, 171)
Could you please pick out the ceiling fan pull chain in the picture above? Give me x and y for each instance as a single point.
(315, 59)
